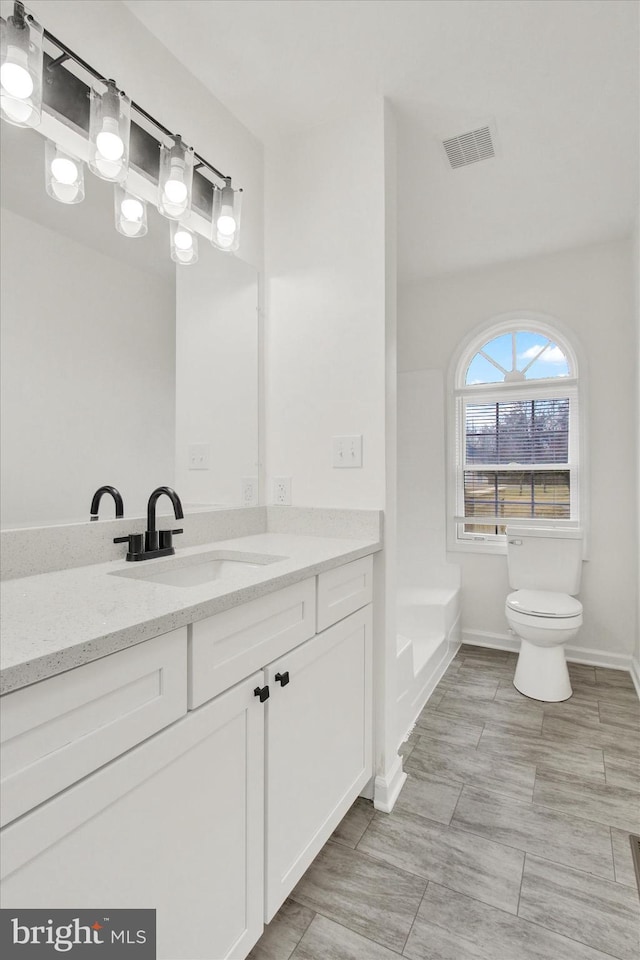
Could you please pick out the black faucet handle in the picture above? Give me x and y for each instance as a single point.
(166, 536)
(136, 544)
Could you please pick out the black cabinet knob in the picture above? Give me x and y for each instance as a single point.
(262, 692)
(283, 678)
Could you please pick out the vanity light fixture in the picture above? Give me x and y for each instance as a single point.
(184, 244)
(109, 129)
(64, 174)
(131, 213)
(225, 222)
(21, 60)
(176, 179)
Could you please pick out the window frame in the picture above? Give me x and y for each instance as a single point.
(461, 394)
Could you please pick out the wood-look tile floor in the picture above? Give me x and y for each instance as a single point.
(509, 840)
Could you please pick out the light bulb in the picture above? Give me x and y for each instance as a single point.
(226, 224)
(64, 171)
(109, 142)
(15, 76)
(132, 209)
(183, 240)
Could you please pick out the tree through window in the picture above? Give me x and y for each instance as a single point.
(516, 453)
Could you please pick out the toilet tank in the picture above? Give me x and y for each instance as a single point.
(544, 558)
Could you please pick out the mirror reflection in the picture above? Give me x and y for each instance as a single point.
(117, 366)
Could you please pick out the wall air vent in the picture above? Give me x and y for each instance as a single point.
(469, 147)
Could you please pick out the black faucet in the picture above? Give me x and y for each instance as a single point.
(156, 543)
(152, 539)
(95, 502)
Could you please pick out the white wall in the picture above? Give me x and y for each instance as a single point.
(216, 376)
(422, 534)
(325, 327)
(588, 290)
(87, 377)
(109, 37)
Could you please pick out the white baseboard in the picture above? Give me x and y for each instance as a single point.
(387, 788)
(574, 654)
(635, 674)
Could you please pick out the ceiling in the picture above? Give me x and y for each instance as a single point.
(557, 80)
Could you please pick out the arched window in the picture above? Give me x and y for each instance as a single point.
(516, 455)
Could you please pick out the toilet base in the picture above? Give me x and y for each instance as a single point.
(541, 673)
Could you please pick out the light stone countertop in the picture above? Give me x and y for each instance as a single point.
(55, 621)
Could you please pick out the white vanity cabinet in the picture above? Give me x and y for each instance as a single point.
(213, 819)
(176, 824)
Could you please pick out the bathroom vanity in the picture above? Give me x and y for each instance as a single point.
(196, 754)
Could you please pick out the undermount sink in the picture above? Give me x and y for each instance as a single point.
(198, 570)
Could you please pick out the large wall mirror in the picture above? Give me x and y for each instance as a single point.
(117, 366)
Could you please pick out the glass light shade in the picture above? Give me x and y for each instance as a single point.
(130, 212)
(184, 244)
(176, 180)
(225, 225)
(21, 69)
(109, 130)
(64, 174)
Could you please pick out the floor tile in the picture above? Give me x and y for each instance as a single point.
(369, 896)
(427, 796)
(446, 729)
(471, 865)
(577, 708)
(581, 671)
(466, 686)
(598, 736)
(486, 770)
(406, 747)
(601, 913)
(353, 825)
(621, 716)
(621, 678)
(327, 940)
(283, 934)
(622, 771)
(580, 797)
(504, 670)
(526, 717)
(450, 926)
(607, 690)
(536, 829)
(622, 857)
(575, 759)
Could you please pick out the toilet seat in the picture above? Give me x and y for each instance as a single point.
(544, 604)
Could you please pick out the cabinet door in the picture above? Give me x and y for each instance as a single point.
(318, 746)
(175, 824)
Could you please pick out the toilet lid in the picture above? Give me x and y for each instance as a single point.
(543, 603)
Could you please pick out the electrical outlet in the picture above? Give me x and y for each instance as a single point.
(249, 491)
(199, 456)
(282, 491)
(347, 451)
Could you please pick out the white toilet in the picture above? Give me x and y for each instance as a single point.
(545, 566)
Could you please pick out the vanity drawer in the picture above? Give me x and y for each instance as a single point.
(343, 590)
(228, 647)
(57, 731)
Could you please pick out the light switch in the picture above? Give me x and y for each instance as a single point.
(199, 456)
(347, 451)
